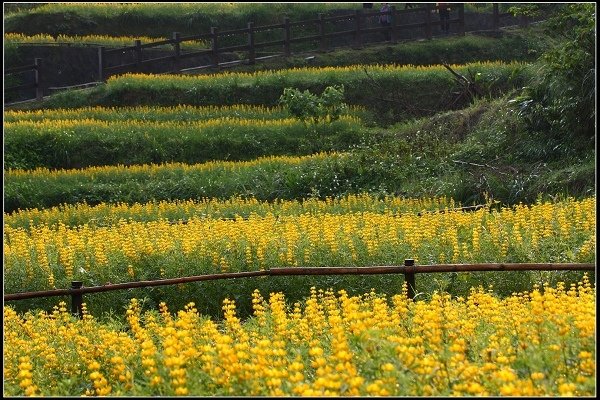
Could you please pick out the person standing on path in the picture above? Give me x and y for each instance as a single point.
(444, 17)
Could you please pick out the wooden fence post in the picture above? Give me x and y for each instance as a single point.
(409, 277)
(461, 19)
(214, 31)
(101, 64)
(286, 37)
(357, 38)
(495, 17)
(322, 42)
(138, 52)
(77, 300)
(393, 17)
(428, 21)
(251, 51)
(176, 51)
(39, 90)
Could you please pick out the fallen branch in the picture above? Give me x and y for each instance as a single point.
(482, 165)
(470, 89)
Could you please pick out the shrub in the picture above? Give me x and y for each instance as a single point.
(307, 106)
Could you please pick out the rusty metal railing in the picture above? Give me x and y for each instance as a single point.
(409, 270)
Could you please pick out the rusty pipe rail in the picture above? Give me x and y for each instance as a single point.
(408, 269)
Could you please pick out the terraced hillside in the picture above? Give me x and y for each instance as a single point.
(151, 177)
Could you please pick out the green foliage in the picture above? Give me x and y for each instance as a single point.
(147, 19)
(560, 100)
(391, 93)
(80, 144)
(309, 107)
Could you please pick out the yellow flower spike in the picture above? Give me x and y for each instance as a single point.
(536, 376)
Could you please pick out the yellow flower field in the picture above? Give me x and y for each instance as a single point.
(44, 257)
(540, 343)
(342, 73)
(109, 214)
(104, 40)
(146, 113)
(180, 112)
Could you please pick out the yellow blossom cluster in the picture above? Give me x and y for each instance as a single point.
(341, 72)
(147, 113)
(181, 112)
(164, 168)
(44, 257)
(538, 343)
(109, 213)
(104, 40)
(93, 124)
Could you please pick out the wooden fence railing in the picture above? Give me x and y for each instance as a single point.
(409, 269)
(37, 79)
(323, 28)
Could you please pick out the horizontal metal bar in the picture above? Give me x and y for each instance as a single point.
(80, 86)
(117, 67)
(305, 22)
(195, 54)
(415, 25)
(337, 270)
(196, 37)
(375, 30)
(159, 43)
(375, 270)
(340, 33)
(223, 64)
(267, 44)
(19, 87)
(119, 49)
(305, 39)
(234, 32)
(150, 60)
(339, 18)
(131, 285)
(500, 267)
(429, 269)
(268, 27)
(234, 48)
(24, 68)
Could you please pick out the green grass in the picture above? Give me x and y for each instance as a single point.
(391, 93)
(512, 45)
(100, 40)
(467, 155)
(152, 19)
(85, 143)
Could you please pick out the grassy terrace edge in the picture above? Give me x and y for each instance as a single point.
(391, 93)
(69, 144)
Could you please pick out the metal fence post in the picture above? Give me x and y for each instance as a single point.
(322, 42)
(409, 277)
(214, 31)
(428, 21)
(393, 17)
(461, 19)
(138, 52)
(251, 50)
(39, 91)
(357, 38)
(286, 37)
(77, 300)
(101, 64)
(495, 17)
(177, 51)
